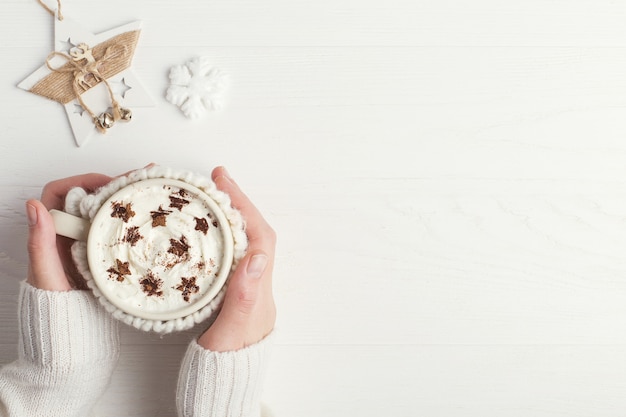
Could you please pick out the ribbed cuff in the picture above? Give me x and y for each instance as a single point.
(65, 329)
(222, 384)
(68, 349)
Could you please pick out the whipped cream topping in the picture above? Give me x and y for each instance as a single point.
(156, 247)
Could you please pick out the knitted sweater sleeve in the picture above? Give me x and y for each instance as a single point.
(68, 348)
(222, 384)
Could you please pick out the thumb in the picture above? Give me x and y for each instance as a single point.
(231, 329)
(243, 290)
(45, 268)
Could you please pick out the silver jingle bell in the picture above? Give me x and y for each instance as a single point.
(126, 114)
(106, 121)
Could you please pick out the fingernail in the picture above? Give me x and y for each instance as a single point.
(31, 214)
(224, 178)
(226, 174)
(256, 266)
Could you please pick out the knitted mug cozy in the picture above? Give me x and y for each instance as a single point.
(79, 203)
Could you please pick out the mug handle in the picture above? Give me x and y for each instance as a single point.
(70, 226)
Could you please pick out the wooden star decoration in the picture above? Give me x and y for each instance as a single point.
(124, 84)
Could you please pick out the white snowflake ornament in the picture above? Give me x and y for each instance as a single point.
(196, 87)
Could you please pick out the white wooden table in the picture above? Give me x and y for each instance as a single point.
(447, 179)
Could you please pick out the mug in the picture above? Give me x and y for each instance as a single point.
(158, 249)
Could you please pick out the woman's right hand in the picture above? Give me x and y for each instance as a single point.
(50, 263)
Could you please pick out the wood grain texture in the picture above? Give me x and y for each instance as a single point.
(446, 179)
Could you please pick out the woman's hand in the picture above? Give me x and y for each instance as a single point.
(51, 267)
(249, 312)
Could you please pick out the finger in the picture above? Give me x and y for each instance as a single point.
(45, 268)
(53, 195)
(150, 165)
(260, 233)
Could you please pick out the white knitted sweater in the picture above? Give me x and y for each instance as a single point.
(68, 349)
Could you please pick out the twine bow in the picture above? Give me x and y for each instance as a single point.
(86, 71)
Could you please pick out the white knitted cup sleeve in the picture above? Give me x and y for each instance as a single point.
(80, 203)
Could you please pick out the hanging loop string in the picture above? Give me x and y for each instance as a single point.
(85, 69)
(52, 11)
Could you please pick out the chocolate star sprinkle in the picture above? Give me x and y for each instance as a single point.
(151, 285)
(179, 248)
(188, 286)
(177, 202)
(124, 212)
(202, 225)
(132, 235)
(119, 271)
(159, 217)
